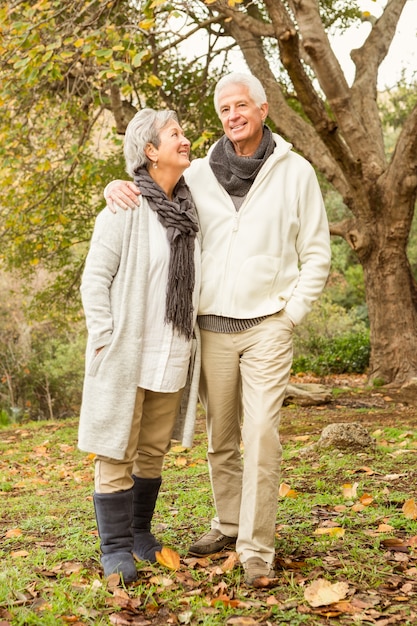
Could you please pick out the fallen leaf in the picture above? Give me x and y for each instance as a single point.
(393, 476)
(385, 528)
(13, 532)
(225, 601)
(366, 499)
(113, 581)
(285, 491)
(162, 581)
(168, 557)
(230, 562)
(395, 544)
(349, 490)
(410, 509)
(263, 581)
(19, 554)
(322, 592)
(336, 531)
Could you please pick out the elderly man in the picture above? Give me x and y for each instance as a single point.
(265, 260)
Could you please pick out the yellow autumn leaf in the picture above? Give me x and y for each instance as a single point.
(322, 592)
(147, 24)
(154, 81)
(349, 490)
(410, 509)
(168, 558)
(336, 531)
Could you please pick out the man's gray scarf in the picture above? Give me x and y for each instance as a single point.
(179, 218)
(236, 173)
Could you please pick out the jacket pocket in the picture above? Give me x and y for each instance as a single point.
(97, 360)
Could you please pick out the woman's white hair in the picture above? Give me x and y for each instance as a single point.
(254, 85)
(144, 128)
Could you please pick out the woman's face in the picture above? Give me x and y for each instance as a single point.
(174, 147)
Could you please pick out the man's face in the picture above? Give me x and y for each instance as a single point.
(242, 119)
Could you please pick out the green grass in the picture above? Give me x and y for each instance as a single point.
(49, 547)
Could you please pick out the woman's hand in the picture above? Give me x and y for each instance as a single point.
(123, 194)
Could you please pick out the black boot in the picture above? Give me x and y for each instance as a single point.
(145, 493)
(114, 512)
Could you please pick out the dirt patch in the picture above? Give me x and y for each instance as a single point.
(353, 401)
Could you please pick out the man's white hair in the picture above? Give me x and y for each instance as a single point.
(254, 85)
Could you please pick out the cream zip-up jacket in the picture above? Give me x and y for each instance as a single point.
(272, 254)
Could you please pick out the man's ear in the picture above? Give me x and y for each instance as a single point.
(264, 110)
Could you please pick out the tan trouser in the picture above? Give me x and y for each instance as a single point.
(150, 439)
(245, 374)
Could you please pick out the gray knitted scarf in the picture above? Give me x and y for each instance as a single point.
(235, 173)
(179, 218)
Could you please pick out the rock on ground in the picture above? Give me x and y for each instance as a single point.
(349, 436)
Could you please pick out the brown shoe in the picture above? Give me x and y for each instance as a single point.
(255, 568)
(210, 543)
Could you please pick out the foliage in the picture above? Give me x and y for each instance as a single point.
(47, 382)
(339, 520)
(63, 69)
(332, 340)
(41, 364)
(398, 104)
(344, 354)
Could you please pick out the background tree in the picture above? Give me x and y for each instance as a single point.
(63, 66)
(72, 75)
(338, 128)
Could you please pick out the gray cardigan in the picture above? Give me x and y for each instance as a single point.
(118, 259)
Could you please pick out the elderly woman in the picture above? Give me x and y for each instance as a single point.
(139, 291)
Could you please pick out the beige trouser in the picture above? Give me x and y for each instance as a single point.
(150, 439)
(245, 374)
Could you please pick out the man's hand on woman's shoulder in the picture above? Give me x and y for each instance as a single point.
(123, 194)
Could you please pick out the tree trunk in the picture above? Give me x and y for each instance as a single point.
(391, 295)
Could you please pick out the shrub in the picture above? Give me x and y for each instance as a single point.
(331, 341)
(347, 353)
